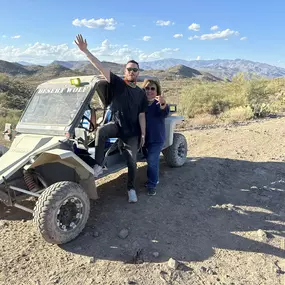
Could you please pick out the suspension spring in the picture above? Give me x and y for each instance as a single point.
(30, 182)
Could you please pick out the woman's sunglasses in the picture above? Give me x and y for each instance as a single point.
(129, 69)
(150, 88)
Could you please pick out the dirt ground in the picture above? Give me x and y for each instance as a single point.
(221, 217)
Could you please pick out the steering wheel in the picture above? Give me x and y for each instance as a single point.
(91, 128)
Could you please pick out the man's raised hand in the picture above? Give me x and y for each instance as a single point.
(81, 43)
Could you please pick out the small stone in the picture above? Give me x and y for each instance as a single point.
(95, 234)
(130, 282)
(163, 276)
(3, 224)
(155, 254)
(172, 263)
(211, 271)
(135, 245)
(91, 259)
(262, 235)
(123, 233)
(23, 254)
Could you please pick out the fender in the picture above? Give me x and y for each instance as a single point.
(170, 124)
(68, 158)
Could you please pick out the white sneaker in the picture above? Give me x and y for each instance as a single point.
(132, 196)
(97, 170)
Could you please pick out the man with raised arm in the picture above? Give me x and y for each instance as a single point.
(129, 104)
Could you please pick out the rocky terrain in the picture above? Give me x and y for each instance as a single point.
(218, 220)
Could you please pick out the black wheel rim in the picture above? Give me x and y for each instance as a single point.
(69, 214)
(181, 150)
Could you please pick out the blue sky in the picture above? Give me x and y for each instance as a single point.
(41, 31)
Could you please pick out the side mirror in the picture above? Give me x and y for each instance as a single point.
(81, 136)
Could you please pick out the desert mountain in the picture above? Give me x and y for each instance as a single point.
(221, 68)
(13, 68)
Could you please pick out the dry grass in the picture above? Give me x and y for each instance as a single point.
(238, 114)
(203, 120)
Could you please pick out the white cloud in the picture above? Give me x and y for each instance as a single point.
(178, 36)
(193, 38)
(243, 38)
(170, 50)
(107, 24)
(4, 36)
(39, 53)
(45, 53)
(157, 54)
(218, 35)
(214, 28)
(16, 37)
(146, 38)
(198, 57)
(164, 23)
(194, 27)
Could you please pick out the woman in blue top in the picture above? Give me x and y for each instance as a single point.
(156, 113)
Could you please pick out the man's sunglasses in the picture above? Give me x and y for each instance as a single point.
(150, 88)
(134, 69)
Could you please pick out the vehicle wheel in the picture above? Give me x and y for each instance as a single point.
(61, 212)
(3, 149)
(176, 154)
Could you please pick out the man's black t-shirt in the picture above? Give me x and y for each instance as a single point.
(127, 104)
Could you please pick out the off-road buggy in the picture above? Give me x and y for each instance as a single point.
(52, 154)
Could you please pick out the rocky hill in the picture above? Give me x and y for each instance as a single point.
(179, 72)
(87, 68)
(13, 68)
(221, 68)
(54, 70)
(37, 72)
(75, 68)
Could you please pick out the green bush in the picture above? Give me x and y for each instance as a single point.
(199, 98)
(262, 96)
(9, 116)
(14, 94)
(237, 114)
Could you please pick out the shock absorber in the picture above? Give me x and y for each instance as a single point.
(30, 182)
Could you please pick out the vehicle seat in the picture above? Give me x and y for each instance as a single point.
(106, 120)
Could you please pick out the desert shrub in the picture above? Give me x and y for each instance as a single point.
(14, 93)
(9, 116)
(260, 95)
(263, 96)
(199, 98)
(237, 114)
(218, 107)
